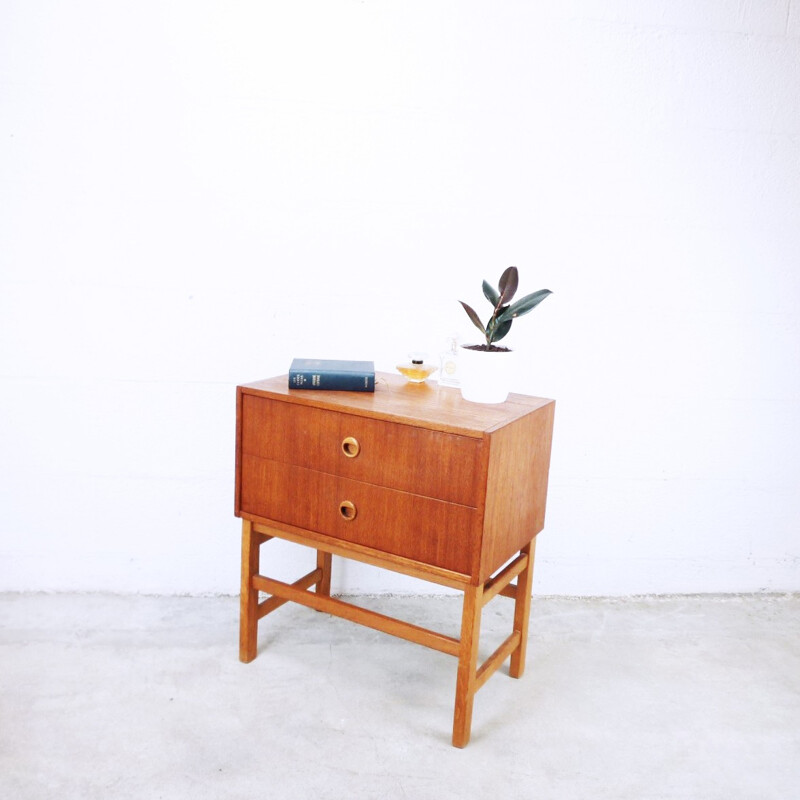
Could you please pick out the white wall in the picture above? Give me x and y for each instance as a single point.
(192, 193)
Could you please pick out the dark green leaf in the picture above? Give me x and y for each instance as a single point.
(501, 330)
(491, 294)
(491, 325)
(476, 320)
(509, 281)
(523, 306)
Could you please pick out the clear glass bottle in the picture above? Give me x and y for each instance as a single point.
(449, 374)
(415, 369)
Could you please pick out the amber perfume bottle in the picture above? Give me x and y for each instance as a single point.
(415, 369)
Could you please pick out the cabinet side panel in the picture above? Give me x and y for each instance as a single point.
(516, 492)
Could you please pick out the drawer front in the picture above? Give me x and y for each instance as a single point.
(430, 463)
(421, 528)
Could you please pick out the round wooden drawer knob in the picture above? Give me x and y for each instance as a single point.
(350, 447)
(347, 510)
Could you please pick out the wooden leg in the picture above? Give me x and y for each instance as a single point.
(522, 612)
(467, 664)
(324, 563)
(248, 599)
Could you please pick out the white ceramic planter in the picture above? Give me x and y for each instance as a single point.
(486, 377)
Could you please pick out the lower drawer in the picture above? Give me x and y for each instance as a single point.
(431, 531)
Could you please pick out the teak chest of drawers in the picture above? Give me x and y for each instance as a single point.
(411, 478)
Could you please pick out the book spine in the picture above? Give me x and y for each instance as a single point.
(333, 381)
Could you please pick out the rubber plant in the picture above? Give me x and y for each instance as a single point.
(504, 312)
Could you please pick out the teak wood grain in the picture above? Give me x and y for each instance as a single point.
(410, 478)
(400, 456)
(421, 528)
(426, 404)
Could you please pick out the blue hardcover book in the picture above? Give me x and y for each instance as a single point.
(320, 373)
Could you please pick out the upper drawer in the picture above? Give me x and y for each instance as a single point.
(444, 466)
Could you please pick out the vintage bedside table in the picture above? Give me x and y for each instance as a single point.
(411, 478)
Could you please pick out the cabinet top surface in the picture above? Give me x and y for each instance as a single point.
(425, 404)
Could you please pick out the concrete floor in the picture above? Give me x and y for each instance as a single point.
(106, 696)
